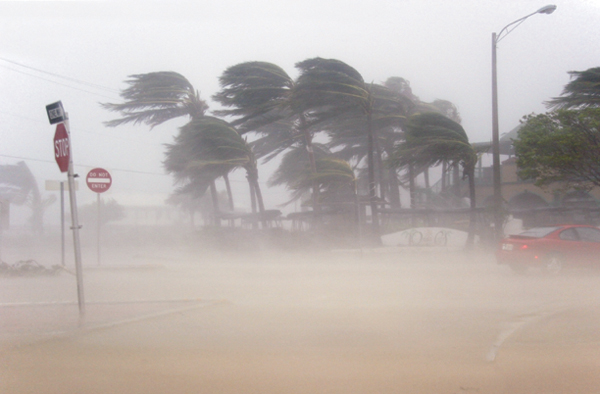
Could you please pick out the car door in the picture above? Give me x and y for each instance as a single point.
(589, 244)
(567, 246)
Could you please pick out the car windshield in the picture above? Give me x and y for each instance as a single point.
(538, 232)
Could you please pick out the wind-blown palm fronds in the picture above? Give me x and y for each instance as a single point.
(155, 98)
(332, 92)
(431, 139)
(255, 94)
(334, 177)
(207, 148)
(258, 95)
(582, 92)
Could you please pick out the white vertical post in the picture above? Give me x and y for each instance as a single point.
(62, 221)
(75, 225)
(99, 225)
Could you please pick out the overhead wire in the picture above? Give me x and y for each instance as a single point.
(56, 82)
(71, 79)
(77, 81)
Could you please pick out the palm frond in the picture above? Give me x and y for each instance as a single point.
(254, 92)
(155, 98)
(583, 91)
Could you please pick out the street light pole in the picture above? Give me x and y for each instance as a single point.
(498, 215)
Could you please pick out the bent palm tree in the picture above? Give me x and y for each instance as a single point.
(157, 97)
(329, 90)
(258, 95)
(207, 148)
(582, 92)
(431, 139)
(414, 105)
(350, 142)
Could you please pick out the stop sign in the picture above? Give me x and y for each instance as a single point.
(98, 180)
(62, 151)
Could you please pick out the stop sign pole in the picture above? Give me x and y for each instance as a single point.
(57, 115)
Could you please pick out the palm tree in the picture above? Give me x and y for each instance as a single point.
(431, 139)
(257, 95)
(295, 168)
(157, 97)
(206, 148)
(335, 178)
(349, 140)
(329, 91)
(414, 105)
(582, 92)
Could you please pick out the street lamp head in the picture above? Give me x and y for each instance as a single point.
(548, 9)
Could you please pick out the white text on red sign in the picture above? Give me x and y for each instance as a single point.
(61, 147)
(99, 186)
(98, 175)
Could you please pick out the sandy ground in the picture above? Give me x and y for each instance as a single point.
(393, 321)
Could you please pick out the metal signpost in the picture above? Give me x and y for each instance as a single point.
(64, 159)
(99, 181)
(54, 186)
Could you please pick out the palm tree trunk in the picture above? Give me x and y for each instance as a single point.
(313, 166)
(427, 186)
(456, 180)
(261, 205)
(394, 189)
(372, 187)
(413, 193)
(215, 203)
(444, 175)
(256, 197)
(380, 169)
(252, 202)
(411, 186)
(229, 193)
(473, 212)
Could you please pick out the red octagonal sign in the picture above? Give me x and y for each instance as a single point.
(62, 151)
(98, 180)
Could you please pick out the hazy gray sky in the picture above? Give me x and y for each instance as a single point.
(442, 47)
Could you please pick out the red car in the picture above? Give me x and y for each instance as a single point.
(551, 248)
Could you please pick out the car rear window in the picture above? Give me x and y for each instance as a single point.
(538, 232)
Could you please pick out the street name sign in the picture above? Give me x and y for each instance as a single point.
(55, 185)
(56, 112)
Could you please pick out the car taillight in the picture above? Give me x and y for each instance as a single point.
(523, 247)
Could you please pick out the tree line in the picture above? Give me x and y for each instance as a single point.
(378, 137)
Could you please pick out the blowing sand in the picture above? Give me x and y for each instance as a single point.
(392, 321)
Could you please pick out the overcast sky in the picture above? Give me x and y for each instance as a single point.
(442, 47)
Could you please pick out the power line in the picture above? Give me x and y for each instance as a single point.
(94, 85)
(114, 169)
(78, 130)
(55, 82)
(86, 165)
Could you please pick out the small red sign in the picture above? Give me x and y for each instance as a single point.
(62, 148)
(98, 180)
